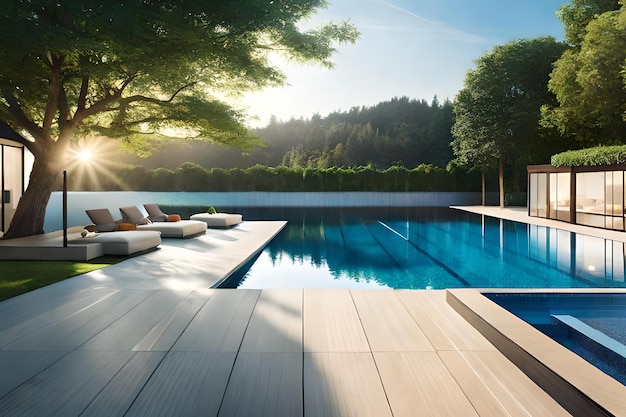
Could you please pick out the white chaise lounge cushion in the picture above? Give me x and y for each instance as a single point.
(121, 243)
(218, 219)
(180, 229)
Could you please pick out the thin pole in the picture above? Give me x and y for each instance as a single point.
(65, 209)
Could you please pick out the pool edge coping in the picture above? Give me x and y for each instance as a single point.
(573, 382)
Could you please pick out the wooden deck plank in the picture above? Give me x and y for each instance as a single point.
(26, 314)
(418, 383)
(185, 384)
(76, 328)
(131, 328)
(18, 367)
(220, 324)
(331, 323)
(67, 387)
(388, 325)
(276, 323)
(496, 387)
(264, 385)
(443, 326)
(343, 385)
(18, 310)
(167, 331)
(118, 395)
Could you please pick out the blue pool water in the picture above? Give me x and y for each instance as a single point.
(598, 330)
(426, 248)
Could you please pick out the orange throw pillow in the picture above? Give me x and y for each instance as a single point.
(173, 217)
(126, 226)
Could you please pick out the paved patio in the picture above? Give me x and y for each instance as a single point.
(147, 337)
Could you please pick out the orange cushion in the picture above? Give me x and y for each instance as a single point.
(173, 217)
(126, 226)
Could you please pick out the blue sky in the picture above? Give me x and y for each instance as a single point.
(414, 48)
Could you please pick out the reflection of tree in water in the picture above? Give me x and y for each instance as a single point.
(355, 246)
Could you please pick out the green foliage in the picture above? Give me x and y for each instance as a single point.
(576, 15)
(600, 155)
(400, 131)
(139, 71)
(124, 69)
(590, 84)
(498, 110)
(191, 177)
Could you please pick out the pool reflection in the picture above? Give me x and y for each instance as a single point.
(429, 248)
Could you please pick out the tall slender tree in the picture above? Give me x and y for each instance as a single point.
(497, 112)
(136, 69)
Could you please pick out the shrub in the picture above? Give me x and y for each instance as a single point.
(600, 155)
(192, 177)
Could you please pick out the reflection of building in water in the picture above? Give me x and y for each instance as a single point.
(592, 259)
(15, 165)
(590, 196)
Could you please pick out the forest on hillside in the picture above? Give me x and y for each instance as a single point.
(399, 132)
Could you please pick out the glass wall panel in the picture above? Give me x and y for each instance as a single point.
(590, 198)
(552, 195)
(12, 180)
(563, 196)
(615, 199)
(542, 187)
(532, 195)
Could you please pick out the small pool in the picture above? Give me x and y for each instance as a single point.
(425, 248)
(591, 325)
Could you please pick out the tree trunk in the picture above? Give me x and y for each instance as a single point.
(45, 178)
(483, 187)
(501, 179)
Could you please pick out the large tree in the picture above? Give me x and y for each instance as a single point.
(497, 111)
(136, 69)
(589, 81)
(577, 14)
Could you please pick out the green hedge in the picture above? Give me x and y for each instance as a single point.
(600, 155)
(192, 177)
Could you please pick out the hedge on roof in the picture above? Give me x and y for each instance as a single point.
(600, 155)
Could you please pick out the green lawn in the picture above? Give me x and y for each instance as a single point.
(18, 277)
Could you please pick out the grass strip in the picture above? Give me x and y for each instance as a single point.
(19, 277)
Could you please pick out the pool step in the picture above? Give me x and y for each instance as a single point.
(589, 332)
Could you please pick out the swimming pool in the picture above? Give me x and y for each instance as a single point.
(592, 325)
(425, 248)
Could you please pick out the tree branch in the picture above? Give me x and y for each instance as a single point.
(139, 97)
(54, 91)
(64, 109)
(20, 117)
(82, 96)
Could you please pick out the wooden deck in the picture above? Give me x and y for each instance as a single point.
(69, 351)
